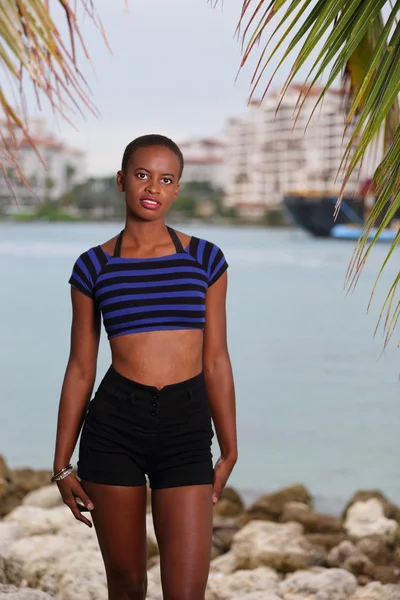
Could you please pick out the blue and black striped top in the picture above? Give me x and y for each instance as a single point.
(150, 294)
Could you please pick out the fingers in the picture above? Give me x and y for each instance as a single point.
(79, 492)
(219, 484)
(215, 496)
(222, 472)
(71, 490)
(76, 512)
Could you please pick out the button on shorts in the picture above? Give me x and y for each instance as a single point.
(132, 430)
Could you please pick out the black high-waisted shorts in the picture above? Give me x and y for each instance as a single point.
(132, 430)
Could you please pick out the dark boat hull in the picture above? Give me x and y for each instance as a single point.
(316, 214)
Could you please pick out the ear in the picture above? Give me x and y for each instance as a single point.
(120, 181)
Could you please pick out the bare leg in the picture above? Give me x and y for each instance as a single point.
(119, 518)
(183, 525)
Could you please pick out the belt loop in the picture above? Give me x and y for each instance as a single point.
(190, 392)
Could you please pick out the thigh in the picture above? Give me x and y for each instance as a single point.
(119, 518)
(183, 525)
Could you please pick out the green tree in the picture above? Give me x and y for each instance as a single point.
(275, 218)
(49, 184)
(50, 211)
(194, 193)
(70, 172)
(97, 198)
(185, 204)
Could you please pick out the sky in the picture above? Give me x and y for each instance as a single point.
(172, 71)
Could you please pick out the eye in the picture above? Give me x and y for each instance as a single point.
(141, 175)
(166, 180)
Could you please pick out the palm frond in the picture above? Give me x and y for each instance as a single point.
(33, 50)
(358, 40)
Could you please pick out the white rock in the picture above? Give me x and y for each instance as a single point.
(377, 591)
(155, 574)
(76, 576)
(9, 532)
(280, 546)
(150, 528)
(340, 553)
(10, 592)
(226, 563)
(79, 533)
(39, 521)
(45, 497)
(368, 518)
(3, 575)
(27, 559)
(349, 557)
(154, 590)
(261, 579)
(256, 596)
(318, 584)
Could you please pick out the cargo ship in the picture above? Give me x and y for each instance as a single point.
(314, 213)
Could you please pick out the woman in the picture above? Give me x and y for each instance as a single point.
(162, 297)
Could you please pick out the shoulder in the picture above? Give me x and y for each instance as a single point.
(210, 256)
(184, 238)
(199, 248)
(86, 269)
(91, 260)
(109, 245)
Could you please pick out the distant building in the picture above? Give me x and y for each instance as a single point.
(65, 168)
(205, 160)
(266, 158)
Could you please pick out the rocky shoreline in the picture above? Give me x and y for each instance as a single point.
(278, 548)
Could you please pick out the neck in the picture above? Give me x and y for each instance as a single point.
(145, 233)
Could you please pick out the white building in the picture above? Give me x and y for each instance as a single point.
(205, 160)
(65, 167)
(267, 158)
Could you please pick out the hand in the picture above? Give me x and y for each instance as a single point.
(222, 470)
(70, 489)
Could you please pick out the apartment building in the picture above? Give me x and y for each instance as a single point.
(205, 160)
(267, 156)
(65, 167)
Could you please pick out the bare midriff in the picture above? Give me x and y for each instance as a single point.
(158, 358)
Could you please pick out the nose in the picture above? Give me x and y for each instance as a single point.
(152, 187)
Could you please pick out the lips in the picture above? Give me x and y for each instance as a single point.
(150, 203)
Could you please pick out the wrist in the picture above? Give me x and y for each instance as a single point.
(57, 466)
(62, 474)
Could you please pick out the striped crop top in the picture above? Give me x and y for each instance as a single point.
(150, 294)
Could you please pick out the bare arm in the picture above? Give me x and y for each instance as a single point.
(219, 381)
(79, 376)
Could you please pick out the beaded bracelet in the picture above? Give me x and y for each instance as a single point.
(62, 473)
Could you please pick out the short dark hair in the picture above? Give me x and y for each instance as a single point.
(146, 141)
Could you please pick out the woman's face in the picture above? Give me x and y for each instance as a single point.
(151, 182)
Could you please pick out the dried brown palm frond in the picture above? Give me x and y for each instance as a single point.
(33, 51)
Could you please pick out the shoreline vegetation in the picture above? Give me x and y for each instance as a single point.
(276, 548)
(98, 200)
(268, 221)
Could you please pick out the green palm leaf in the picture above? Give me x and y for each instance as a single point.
(359, 40)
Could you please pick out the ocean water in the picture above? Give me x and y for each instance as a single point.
(317, 401)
